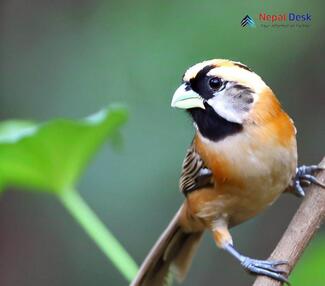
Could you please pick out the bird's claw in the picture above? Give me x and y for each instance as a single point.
(304, 175)
(266, 268)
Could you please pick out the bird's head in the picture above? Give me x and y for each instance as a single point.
(219, 95)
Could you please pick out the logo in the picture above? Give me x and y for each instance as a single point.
(291, 17)
(248, 21)
(281, 20)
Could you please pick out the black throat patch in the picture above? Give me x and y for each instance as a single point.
(211, 125)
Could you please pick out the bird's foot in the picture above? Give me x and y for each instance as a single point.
(305, 176)
(266, 268)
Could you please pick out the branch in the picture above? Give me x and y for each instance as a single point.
(300, 231)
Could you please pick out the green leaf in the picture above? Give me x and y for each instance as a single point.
(51, 156)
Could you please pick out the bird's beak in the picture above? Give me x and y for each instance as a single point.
(186, 98)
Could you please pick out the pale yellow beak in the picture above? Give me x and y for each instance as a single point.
(186, 99)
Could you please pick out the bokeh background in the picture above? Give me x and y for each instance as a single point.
(69, 58)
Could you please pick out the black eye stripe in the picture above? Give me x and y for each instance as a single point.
(202, 88)
(200, 84)
(203, 72)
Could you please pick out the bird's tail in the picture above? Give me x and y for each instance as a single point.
(170, 257)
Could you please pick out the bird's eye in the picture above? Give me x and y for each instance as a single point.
(215, 83)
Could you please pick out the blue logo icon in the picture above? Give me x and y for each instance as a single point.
(248, 21)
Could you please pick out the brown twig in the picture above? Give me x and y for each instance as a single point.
(301, 229)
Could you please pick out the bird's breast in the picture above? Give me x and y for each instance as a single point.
(249, 174)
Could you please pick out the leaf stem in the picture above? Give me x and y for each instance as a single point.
(104, 239)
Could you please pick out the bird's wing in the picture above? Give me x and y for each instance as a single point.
(195, 175)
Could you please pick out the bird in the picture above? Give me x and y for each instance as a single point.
(242, 158)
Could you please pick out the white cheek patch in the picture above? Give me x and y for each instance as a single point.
(225, 107)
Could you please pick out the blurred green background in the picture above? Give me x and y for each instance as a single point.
(70, 58)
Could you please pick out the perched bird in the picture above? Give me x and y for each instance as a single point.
(242, 158)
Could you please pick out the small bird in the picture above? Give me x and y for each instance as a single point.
(242, 158)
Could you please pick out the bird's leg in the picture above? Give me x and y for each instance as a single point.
(258, 267)
(304, 175)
